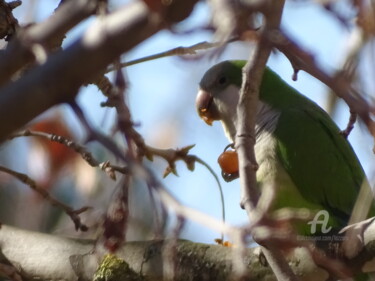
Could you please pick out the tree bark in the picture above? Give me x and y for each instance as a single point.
(60, 77)
(50, 257)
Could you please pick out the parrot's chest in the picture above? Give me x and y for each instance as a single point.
(265, 153)
(272, 177)
(266, 143)
(270, 168)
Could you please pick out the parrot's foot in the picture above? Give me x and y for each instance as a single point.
(229, 177)
(354, 237)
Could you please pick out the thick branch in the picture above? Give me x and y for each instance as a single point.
(107, 38)
(8, 23)
(47, 34)
(44, 256)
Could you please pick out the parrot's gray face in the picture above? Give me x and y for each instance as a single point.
(217, 99)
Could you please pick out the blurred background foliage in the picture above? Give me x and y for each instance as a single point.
(161, 96)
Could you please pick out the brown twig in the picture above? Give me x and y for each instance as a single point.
(106, 166)
(178, 51)
(234, 18)
(49, 34)
(350, 126)
(245, 138)
(115, 93)
(348, 69)
(73, 214)
(189, 213)
(170, 251)
(8, 23)
(104, 41)
(116, 219)
(302, 60)
(170, 155)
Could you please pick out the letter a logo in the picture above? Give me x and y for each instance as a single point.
(322, 221)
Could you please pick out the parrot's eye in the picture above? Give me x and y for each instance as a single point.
(222, 80)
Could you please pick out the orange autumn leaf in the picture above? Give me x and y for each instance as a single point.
(154, 5)
(59, 155)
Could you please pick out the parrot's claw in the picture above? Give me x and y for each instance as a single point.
(354, 237)
(231, 145)
(229, 177)
(262, 259)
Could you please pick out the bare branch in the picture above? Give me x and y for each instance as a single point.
(106, 40)
(49, 257)
(73, 214)
(48, 34)
(170, 155)
(350, 126)
(178, 51)
(8, 23)
(81, 150)
(302, 60)
(116, 219)
(245, 138)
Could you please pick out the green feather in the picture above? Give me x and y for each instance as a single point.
(299, 146)
(314, 166)
(324, 170)
(319, 160)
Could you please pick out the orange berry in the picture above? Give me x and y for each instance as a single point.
(228, 162)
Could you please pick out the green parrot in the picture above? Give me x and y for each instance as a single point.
(298, 147)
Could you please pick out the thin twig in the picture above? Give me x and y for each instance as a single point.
(8, 23)
(350, 125)
(49, 33)
(178, 51)
(116, 219)
(302, 60)
(171, 156)
(184, 211)
(97, 136)
(81, 150)
(73, 214)
(208, 167)
(170, 260)
(245, 138)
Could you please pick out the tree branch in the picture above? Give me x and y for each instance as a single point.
(8, 23)
(302, 60)
(245, 138)
(87, 156)
(48, 34)
(106, 39)
(73, 214)
(49, 257)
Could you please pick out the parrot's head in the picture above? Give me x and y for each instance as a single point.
(218, 95)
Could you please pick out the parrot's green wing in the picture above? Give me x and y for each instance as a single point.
(325, 170)
(319, 160)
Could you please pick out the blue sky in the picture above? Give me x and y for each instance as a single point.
(162, 94)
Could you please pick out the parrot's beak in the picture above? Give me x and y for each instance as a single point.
(204, 105)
